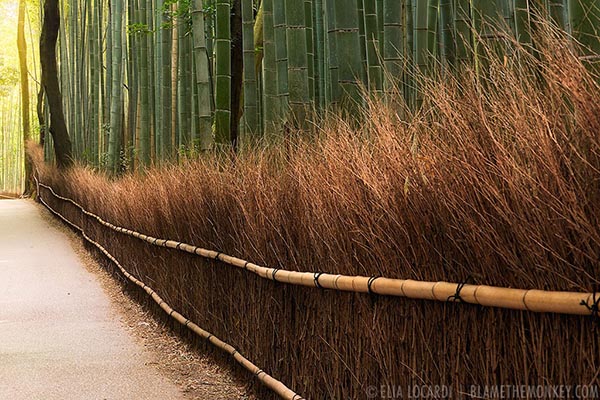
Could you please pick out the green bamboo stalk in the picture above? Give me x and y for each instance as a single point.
(159, 81)
(432, 32)
(380, 12)
(374, 73)
(333, 89)
(107, 88)
(394, 12)
(319, 35)
(210, 46)
(250, 118)
(116, 72)
(202, 69)
(447, 40)
(223, 73)
(297, 65)
(150, 34)
(558, 12)
(133, 78)
(270, 101)
(281, 56)
(462, 28)
(166, 89)
(144, 131)
(362, 37)
(421, 35)
(184, 94)
(310, 48)
(346, 35)
(585, 20)
(94, 64)
(522, 21)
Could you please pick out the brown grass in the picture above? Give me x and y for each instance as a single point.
(497, 177)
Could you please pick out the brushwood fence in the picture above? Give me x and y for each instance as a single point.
(434, 339)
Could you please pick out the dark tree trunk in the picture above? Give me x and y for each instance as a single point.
(58, 128)
(22, 47)
(237, 70)
(40, 115)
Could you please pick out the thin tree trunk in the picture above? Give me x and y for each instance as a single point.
(22, 47)
(58, 128)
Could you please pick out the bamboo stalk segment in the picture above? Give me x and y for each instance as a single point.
(273, 384)
(489, 296)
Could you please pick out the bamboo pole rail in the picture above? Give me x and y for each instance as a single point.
(275, 385)
(574, 303)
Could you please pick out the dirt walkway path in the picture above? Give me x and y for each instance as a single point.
(60, 337)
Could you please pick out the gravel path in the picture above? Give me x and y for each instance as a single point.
(60, 337)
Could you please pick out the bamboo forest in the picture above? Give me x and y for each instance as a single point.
(300, 199)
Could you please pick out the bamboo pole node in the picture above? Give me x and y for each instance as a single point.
(456, 296)
(335, 282)
(525, 302)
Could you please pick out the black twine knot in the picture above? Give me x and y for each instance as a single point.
(594, 308)
(275, 271)
(370, 283)
(456, 296)
(218, 255)
(317, 276)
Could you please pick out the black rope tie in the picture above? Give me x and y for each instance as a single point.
(171, 313)
(218, 255)
(246, 265)
(209, 336)
(187, 321)
(594, 308)
(178, 247)
(275, 271)
(456, 296)
(154, 242)
(370, 283)
(317, 276)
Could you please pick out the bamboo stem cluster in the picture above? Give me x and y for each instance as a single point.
(147, 81)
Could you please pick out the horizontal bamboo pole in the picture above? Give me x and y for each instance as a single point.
(275, 385)
(575, 303)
